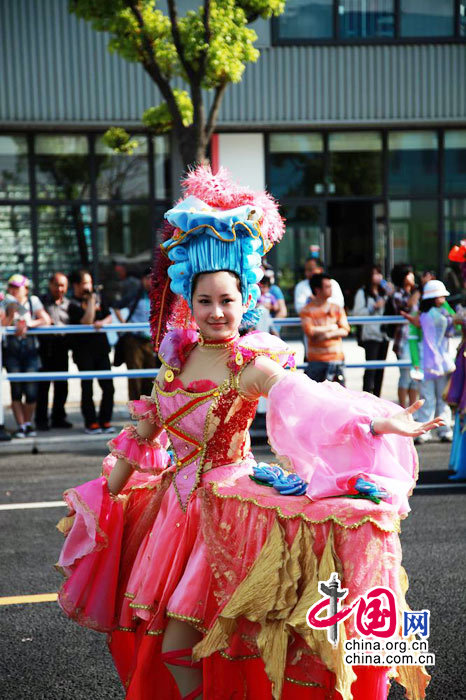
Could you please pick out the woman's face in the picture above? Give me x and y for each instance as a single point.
(217, 305)
(409, 280)
(439, 301)
(19, 293)
(376, 277)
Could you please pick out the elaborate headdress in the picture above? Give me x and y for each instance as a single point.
(218, 225)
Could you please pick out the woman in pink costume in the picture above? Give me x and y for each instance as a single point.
(198, 563)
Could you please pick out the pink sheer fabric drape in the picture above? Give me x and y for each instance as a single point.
(323, 431)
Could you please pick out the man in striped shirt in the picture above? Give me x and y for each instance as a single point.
(324, 324)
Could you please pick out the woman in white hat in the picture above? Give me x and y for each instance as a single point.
(437, 327)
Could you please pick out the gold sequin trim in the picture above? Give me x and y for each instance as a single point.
(194, 394)
(138, 606)
(170, 367)
(254, 226)
(154, 633)
(239, 658)
(216, 346)
(131, 596)
(126, 629)
(197, 622)
(90, 512)
(305, 684)
(302, 516)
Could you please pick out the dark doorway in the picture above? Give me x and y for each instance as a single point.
(352, 231)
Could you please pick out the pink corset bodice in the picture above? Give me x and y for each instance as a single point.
(207, 425)
(206, 430)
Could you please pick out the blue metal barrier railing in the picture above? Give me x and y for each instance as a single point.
(132, 327)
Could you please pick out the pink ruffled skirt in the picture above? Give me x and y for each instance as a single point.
(242, 566)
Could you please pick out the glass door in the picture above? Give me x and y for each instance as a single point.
(305, 236)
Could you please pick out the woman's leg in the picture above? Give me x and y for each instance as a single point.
(442, 409)
(370, 349)
(413, 393)
(17, 408)
(180, 635)
(427, 410)
(382, 349)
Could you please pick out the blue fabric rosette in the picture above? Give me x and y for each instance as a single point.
(272, 475)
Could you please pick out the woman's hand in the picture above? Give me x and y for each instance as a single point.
(403, 423)
(415, 320)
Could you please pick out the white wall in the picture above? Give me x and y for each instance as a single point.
(244, 156)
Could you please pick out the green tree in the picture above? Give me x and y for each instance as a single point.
(208, 48)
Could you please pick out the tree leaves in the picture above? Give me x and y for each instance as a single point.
(159, 119)
(209, 47)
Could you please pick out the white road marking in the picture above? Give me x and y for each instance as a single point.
(39, 504)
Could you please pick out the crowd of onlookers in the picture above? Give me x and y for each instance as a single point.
(423, 342)
(72, 300)
(318, 300)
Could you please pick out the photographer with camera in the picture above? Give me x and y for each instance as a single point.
(91, 350)
(21, 350)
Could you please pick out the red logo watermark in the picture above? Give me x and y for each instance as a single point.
(376, 619)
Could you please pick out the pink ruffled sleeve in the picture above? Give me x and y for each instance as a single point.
(141, 453)
(143, 408)
(90, 557)
(323, 430)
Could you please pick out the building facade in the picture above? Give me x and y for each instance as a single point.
(354, 117)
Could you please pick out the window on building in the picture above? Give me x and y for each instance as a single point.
(16, 254)
(306, 19)
(362, 19)
(122, 175)
(455, 161)
(162, 167)
(64, 239)
(412, 162)
(124, 230)
(359, 20)
(427, 18)
(14, 171)
(455, 231)
(414, 232)
(296, 165)
(62, 167)
(304, 231)
(355, 163)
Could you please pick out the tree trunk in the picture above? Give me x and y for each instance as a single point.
(192, 146)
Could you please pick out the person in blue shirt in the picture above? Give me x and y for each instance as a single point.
(282, 311)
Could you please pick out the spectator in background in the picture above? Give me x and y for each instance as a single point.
(138, 350)
(370, 301)
(303, 291)
(267, 300)
(437, 327)
(53, 350)
(324, 324)
(281, 310)
(91, 351)
(404, 299)
(426, 276)
(21, 350)
(128, 285)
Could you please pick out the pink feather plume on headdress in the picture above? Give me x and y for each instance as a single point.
(220, 191)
